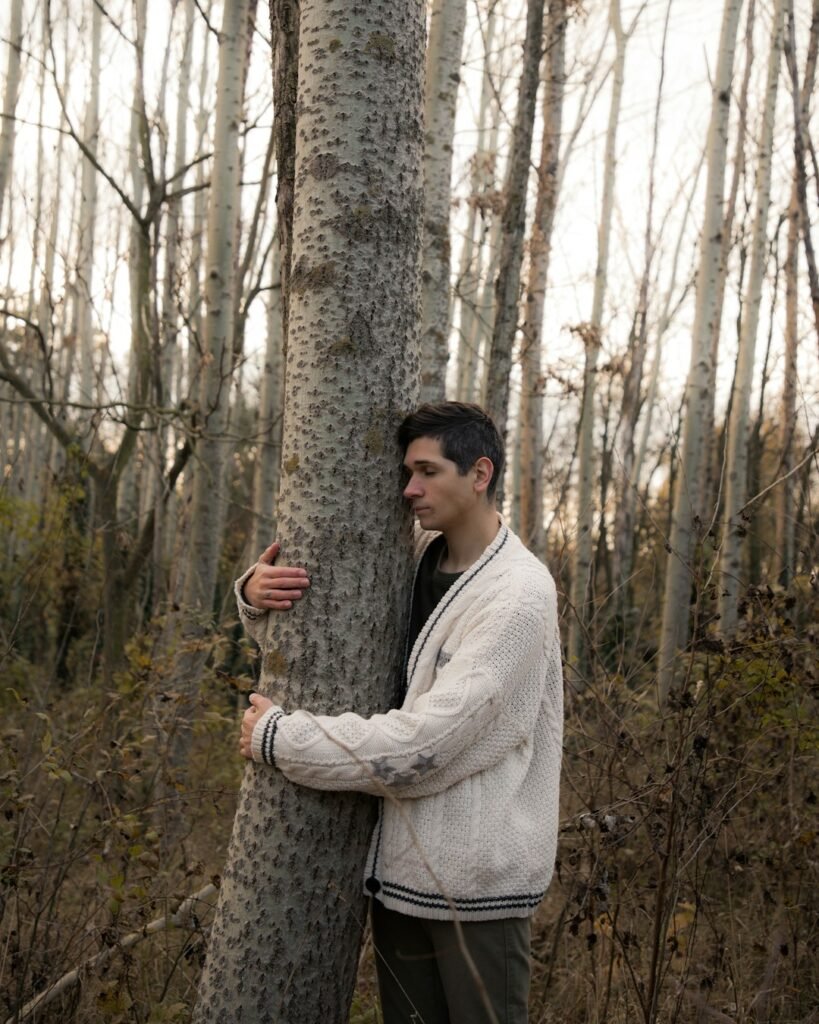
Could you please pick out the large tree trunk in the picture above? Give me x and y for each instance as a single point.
(507, 284)
(540, 248)
(443, 66)
(285, 942)
(591, 334)
(680, 570)
(738, 427)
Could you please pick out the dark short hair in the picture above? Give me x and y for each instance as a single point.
(465, 431)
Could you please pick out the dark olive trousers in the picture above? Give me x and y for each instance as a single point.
(424, 978)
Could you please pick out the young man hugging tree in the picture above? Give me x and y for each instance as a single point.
(469, 763)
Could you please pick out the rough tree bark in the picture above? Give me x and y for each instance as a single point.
(443, 66)
(284, 945)
(738, 427)
(284, 24)
(687, 514)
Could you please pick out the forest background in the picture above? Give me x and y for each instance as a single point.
(615, 253)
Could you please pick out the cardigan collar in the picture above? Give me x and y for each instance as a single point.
(500, 540)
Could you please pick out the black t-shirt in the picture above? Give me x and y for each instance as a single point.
(430, 586)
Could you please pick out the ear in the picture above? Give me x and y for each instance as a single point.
(483, 474)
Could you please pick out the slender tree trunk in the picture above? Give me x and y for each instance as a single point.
(784, 499)
(625, 513)
(469, 273)
(284, 945)
(801, 141)
(591, 335)
(217, 343)
(736, 489)
(540, 248)
(8, 126)
(88, 217)
(269, 430)
(686, 515)
(711, 480)
(443, 66)
(513, 224)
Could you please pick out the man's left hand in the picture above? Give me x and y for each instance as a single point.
(258, 706)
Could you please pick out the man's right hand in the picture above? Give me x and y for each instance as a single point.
(272, 586)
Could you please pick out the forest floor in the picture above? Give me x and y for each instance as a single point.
(685, 888)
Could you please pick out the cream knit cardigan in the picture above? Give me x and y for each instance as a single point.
(469, 766)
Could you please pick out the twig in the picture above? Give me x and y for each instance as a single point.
(175, 920)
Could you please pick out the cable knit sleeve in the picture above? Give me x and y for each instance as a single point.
(253, 619)
(483, 702)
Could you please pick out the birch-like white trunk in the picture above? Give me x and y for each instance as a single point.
(680, 568)
(88, 218)
(591, 335)
(443, 66)
(625, 463)
(284, 945)
(218, 324)
(711, 482)
(14, 46)
(784, 498)
(733, 578)
(469, 270)
(269, 424)
(540, 248)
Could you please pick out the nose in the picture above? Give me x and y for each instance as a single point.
(413, 488)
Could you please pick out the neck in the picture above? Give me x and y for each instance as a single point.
(466, 542)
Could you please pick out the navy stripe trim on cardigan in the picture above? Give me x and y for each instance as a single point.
(268, 736)
(464, 899)
(435, 901)
(450, 596)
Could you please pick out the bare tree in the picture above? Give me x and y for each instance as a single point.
(591, 335)
(291, 894)
(443, 63)
(785, 511)
(513, 223)
(738, 427)
(540, 248)
(9, 125)
(680, 568)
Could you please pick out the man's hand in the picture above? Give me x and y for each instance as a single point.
(258, 706)
(274, 586)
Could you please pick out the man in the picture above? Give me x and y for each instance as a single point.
(468, 766)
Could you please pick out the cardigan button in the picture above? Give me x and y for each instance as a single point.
(372, 885)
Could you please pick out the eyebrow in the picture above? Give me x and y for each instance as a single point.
(421, 462)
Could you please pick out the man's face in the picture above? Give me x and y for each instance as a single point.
(440, 497)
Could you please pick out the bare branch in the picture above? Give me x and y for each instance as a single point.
(178, 919)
